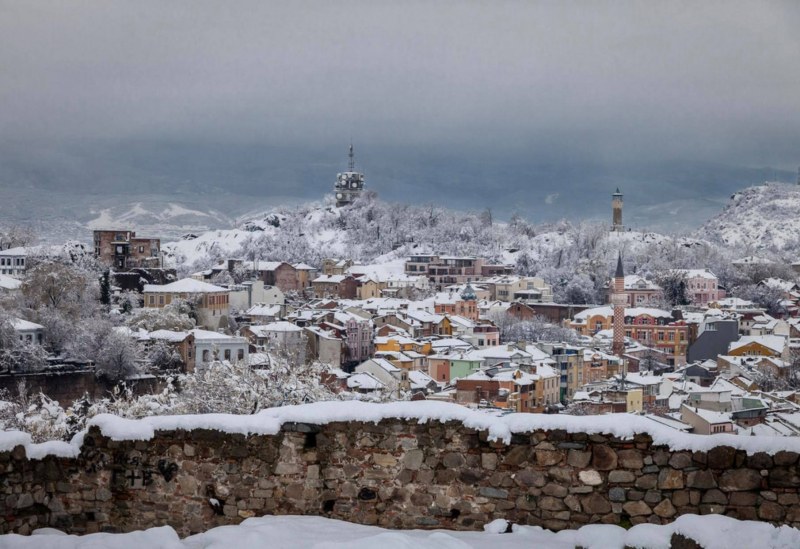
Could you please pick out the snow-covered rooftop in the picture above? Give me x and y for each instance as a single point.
(22, 325)
(9, 283)
(272, 327)
(629, 311)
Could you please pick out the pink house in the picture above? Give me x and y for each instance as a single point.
(702, 286)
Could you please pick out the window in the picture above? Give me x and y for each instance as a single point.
(161, 300)
(227, 354)
(141, 249)
(151, 300)
(240, 354)
(205, 355)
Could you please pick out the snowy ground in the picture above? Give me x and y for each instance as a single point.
(277, 532)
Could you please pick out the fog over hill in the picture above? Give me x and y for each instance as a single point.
(66, 192)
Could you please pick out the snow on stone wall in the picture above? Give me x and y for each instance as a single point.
(399, 465)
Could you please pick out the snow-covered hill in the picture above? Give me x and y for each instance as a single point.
(375, 232)
(308, 227)
(168, 221)
(759, 220)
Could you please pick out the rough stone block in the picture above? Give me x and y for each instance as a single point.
(578, 459)
(701, 479)
(670, 479)
(739, 480)
(665, 509)
(785, 458)
(621, 477)
(637, 508)
(721, 457)
(715, 496)
(630, 459)
(647, 482)
(680, 460)
(617, 494)
(769, 510)
(603, 458)
(490, 492)
(595, 504)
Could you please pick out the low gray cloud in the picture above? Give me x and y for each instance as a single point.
(518, 97)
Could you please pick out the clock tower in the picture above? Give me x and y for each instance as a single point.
(349, 184)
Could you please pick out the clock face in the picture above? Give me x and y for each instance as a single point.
(354, 184)
(339, 196)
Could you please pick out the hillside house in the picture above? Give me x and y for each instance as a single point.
(278, 335)
(392, 377)
(210, 346)
(702, 286)
(212, 303)
(335, 286)
(122, 249)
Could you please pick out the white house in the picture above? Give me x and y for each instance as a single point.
(278, 335)
(12, 261)
(210, 346)
(28, 331)
(251, 292)
(387, 373)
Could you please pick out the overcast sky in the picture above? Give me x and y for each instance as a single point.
(540, 85)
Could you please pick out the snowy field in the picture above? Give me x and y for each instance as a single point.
(277, 532)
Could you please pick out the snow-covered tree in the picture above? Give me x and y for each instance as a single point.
(115, 353)
(35, 414)
(163, 356)
(17, 355)
(175, 317)
(674, 287)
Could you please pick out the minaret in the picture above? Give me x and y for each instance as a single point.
(619, 300)
(616, 207)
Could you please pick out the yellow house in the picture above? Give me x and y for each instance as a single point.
(765, 345)
(368, 288)
(633, 400)
(212, 303)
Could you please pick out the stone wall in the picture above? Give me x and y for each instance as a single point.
(397, 474)
(66, 386)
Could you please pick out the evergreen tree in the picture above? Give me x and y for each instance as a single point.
(105, 288)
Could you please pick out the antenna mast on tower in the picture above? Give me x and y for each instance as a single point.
(352, 159)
